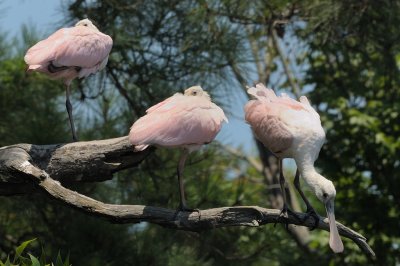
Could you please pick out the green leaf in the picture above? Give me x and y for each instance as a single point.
(59, 261)
(24, 261)
(66, 262)
(21, 248)
(7, 263)
(34, 260)
(42, 258)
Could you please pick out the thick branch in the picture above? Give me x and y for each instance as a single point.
(17, 164)
(73, 162)
(195, 221)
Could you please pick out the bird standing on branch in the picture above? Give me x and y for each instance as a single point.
(70, 53)
(292, 129)
(186, 121)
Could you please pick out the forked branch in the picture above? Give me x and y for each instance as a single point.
(17, 169)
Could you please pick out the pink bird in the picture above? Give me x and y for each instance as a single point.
(186, 121)
(70, 53)
(292, 129)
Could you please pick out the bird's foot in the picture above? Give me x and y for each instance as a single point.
(284, 214)
(184, 208)
(260, 215)
(74, 138)
(311, 212)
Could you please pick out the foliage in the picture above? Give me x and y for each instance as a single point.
(348, 65)
(20, 259)
(357, 83)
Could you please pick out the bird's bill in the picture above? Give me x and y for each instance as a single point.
(334, 238)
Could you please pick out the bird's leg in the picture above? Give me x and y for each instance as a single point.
(285, 210)
(282, 185)
(181, 165)
(310, 210)
(69, 110)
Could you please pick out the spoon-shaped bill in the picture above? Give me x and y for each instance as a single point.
(334, 238)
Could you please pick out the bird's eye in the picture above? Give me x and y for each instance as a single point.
(85, 24)
(194, 93)
(325, 195)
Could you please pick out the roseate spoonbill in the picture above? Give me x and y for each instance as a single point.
(185, 121)
(292, 129)
(70, 53)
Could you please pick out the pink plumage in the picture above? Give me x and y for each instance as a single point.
(275, 120)
(292, 129)
(185, 121)
(71, 52)
(181, 120)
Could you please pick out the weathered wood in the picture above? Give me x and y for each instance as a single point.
(88, 161)
(190, 221)
(27, 168)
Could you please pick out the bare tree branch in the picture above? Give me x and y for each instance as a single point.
(123, 91)
(286, 65)
(20, 164)
(86, 161)
(239, 154)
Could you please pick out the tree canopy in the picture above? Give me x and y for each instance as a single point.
(343, 55)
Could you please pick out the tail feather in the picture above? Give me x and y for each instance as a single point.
(303, 99)
(261, 92)
(140, 147)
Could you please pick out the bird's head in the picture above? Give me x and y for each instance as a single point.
(197, 91)
(326, 192)
(86, 23)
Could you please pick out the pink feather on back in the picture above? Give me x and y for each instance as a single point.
(262, 93)
(178, 121)
(267, 126)
(266, 117)
(78, 46)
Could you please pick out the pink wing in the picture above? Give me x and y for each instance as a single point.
(275, 120)
(267, 126)
(262, 93)
(178, 121)
(76, 46)
(167, 104)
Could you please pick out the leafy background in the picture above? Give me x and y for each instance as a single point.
(344, 55)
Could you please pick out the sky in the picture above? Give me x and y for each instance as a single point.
(43, 14)
(47, 16)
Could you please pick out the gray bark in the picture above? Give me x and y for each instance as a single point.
(26, 168)
(86, 161)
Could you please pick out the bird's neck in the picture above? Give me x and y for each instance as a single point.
(307, 171)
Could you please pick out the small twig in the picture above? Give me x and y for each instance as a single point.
(286, 66)
(123, 92)
(239, 154)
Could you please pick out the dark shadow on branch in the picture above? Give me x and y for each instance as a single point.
(17, 167)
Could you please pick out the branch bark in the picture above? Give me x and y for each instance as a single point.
(86, 161)
(22, 165)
